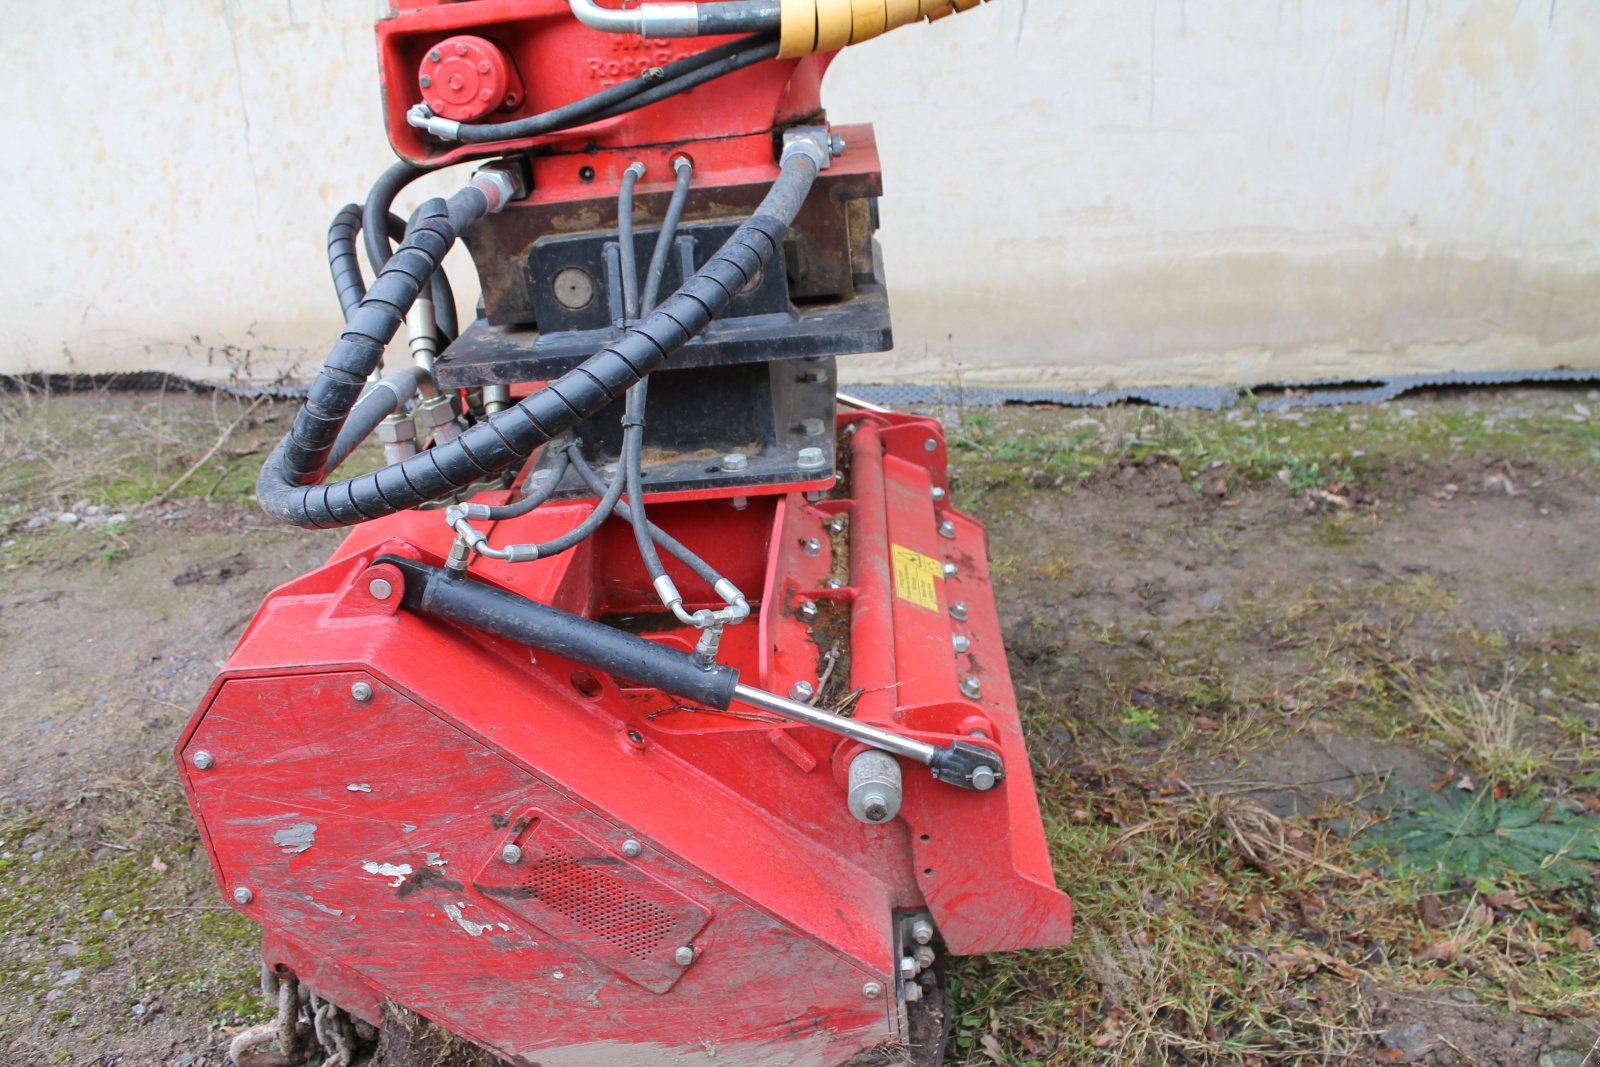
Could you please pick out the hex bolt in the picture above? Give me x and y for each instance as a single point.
(202, 760)
(950, 570)
(922, 931)
(836, 525)
(872, 990)
(834, 583)
(632, 849)
(380, 589)
(811, 546)
(733, 462)
(958, 611)
(983, 779)
(435, 56)
(962, 643)
(813, 427)
(811, 459)
(813, 377)
(511, 855)
(424, 81)
(802, 691)
(925, 956)
(808, 610)
(947, 530)
(939, 495)
(684, 956)
(930, 445)
(361, 691)
(913, 992)
(243, 896)
(908, 968)
(836, 144)
(971, 688)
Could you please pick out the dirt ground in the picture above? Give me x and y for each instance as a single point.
(1263, 658)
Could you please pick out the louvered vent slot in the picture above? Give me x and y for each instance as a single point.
(597, 901)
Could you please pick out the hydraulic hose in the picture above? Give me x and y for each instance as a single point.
(677, 549)
(807, 26)
(625, 242)
(380, 400)
(679, 19)
(677, 77)
(291, 488)
(749, 57)
(378, 227)
(539, 496)
(633, 473)
(669, 233)
(351, 287)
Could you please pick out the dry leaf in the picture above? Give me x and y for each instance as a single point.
(158, 866)
(1429, 910)
(1389, 1055)
(1581, 939)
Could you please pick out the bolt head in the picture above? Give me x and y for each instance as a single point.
(425, 81)
(813, 427)
(958, 611)
(983, 779)
(962, 643)
(811, 546)
(971, 688)
(876, 809)
(950, 570)
(811, 458)
(837, 525)
(808, 609)
(203, 760)
(939, 495)
(947, 530)
(872, 990)
(511, 855)
(632, 849)
(361, 691)
(802, 691)
(733, 462)
(434, 56)
(913, 992)
(242, 896)
(380, 589)
(930, 445)
(908, 967)
(684, 956)
(922, 931)
(574, 288)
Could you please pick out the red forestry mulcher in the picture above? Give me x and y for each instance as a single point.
(655, 709)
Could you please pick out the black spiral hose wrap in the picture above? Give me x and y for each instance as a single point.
(289, 488)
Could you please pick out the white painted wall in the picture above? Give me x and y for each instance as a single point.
(1163, 191)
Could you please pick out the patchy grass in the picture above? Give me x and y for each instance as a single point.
(1304, 450)
(1455, 862)
(126, 450)
(107, 900)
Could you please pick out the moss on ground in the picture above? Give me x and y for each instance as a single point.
(109, 910)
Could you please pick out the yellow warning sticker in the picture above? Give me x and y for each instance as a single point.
(916, 577)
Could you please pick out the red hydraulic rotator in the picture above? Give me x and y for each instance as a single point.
(464, 78)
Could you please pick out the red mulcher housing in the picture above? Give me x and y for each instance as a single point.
(526, 844)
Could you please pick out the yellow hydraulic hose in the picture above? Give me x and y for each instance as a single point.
(824, 25)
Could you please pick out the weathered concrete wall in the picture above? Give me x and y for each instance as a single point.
(1170, 191)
